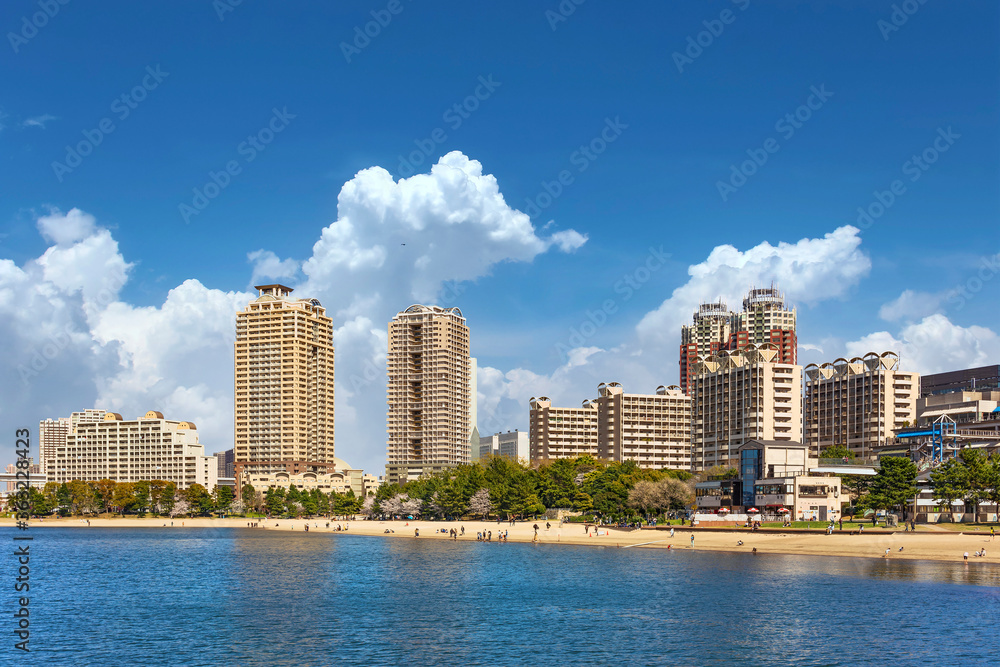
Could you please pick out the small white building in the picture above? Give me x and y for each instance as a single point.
(512, 445)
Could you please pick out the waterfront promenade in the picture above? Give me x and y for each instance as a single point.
(925, 544)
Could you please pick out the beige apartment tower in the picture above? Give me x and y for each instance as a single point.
(284, 386)
(858, 403)
(429, 393)
(561, 433)
(740, 396)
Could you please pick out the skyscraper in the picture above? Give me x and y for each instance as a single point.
(429, 396)
(707, 334)
(284, 385)
(764, 319)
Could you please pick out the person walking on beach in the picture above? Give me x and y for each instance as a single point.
(966, 557)
(671, 532)
(692, 540)
(416, 532)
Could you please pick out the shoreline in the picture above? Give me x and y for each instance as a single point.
(938, 546)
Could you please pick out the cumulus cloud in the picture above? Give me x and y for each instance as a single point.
(911, 305)
(74, 343)
(268, 266)
(809, 271)
(933, 345)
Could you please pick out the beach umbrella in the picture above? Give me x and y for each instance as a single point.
(752, 510)
(783, 511)
(723, 510)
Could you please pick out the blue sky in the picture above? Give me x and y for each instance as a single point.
(553, 87)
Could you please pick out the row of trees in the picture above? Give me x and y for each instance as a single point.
(163, 498)
(501, 487)
(156, 496)
(972, 476)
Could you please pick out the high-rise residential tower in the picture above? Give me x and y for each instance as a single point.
(51, 435)
(764, 319)
(429, 395)
(284, 385)
(739, 396)
(707, 334)
(858, 404)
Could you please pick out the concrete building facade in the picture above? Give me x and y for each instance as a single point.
(428, 393)
(52, 434)
(144, 449)
(743, 395)
(706, 335)
(858, 403)
(654, 430)
(513, 445)
(963, 407)
(982, 378)
(561, 433)
(284, 414)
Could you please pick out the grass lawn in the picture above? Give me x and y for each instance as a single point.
(968, 527)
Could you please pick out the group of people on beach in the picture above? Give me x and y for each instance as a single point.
(487, 536)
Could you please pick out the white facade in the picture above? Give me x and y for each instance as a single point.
(148, 448)
(512, 445)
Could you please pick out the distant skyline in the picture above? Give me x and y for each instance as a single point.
(576, 183)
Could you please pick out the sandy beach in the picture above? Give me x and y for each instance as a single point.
(927, 543)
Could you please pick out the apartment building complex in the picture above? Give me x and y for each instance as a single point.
(654, 430)
(284, 385)
(52, 433)
(858, 403)
(429, 392)
(764, 319)
(743, 395)
(144, 449)
(561, 433)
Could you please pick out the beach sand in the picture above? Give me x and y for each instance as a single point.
(927, 543)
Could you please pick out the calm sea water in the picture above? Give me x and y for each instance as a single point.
(251, 597)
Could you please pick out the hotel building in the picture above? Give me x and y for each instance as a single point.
(429, 392)
(144, 449)
(52, 433)
(284, 386)
(858, 403)
(654, 430)
(705, 336)
(739, 396)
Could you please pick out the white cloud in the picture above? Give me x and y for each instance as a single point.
(933, 345)
(66, 229)
(911, 306)
(177, 357)
(38, 121)
(809, 271)
(268, 266)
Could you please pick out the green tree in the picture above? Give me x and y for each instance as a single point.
(105, 489)
(837, 452)
(39, 503)
(223, 497)
(274, 501)
(168, 498)
(968, 476)
(249, 496)
(141, 496)
(123, 497)
(894, 484)
(81, 497)
(63, 496)
(199, 499)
